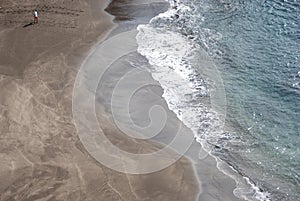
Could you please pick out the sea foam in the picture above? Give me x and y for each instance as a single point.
(185, 91)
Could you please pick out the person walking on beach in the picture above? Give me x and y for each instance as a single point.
(35, 16)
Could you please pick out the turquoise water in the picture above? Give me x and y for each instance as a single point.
(256, 46)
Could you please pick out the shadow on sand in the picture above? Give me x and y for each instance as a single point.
(29, 24)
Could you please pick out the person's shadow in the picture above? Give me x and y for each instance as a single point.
(29, 24)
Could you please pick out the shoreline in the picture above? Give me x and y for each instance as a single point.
(206, 174)
(43, 157)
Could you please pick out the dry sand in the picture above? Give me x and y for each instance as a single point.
(41, 155)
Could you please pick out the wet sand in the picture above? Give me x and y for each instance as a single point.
(41, 155)
(213, 184)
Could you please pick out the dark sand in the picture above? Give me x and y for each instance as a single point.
(41, 155)
(214, 184)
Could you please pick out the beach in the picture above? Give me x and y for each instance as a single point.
(42, 156)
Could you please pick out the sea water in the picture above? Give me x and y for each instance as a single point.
(254, 52)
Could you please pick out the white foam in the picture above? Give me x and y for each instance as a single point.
(176, 6)
(169, 54)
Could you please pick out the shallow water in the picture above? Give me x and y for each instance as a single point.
(255, 47)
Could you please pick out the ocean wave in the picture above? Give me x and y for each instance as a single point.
(168, 53)
(170, 44)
